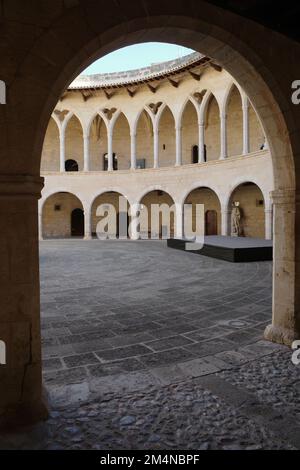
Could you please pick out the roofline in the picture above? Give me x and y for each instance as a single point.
(140, 76)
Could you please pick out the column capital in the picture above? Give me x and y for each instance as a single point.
(285, 196)
(21, 185)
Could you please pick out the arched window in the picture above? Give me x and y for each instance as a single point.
(71, 165)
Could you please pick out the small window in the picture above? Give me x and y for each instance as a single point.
(71, 165)
(57, 207)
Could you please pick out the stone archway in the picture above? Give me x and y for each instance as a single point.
(40, 71)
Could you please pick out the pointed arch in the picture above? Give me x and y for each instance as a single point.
(234, 112)
(166, 124)
(51, 147)
(74, 133)
(190, 133)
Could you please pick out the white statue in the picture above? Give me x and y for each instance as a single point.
(236, 216)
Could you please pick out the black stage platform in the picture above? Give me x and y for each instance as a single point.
(235, 250)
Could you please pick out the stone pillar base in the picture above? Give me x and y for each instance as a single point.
(280, 335)
(23, 415)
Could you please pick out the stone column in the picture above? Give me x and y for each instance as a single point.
(21, 378)
(223, 121)
(156, 148)
(269, 223)
(225, 221)
(178, 146)
(179, 233)
(246, 137)
(86, 152)
(88, 223)
(110, 150)
(201, 158)
(133, 150)
(285, 326)
(62, 150)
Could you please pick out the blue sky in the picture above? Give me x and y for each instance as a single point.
(134, 57)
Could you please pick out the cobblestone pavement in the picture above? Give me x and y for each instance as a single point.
(151, 348)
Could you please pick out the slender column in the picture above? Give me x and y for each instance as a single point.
(178, 146)
(223, 120)
(246, 137)
(88, 223)
(86, 152)
(62, 150)
(179, 233)
(225, 221)
(285, 326)
(133, 150)
(110, 150)
(156, 148)
(269, 223)
(21, 378)
(201, 143)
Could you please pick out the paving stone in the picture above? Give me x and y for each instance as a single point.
(52, 364)
(80, 360)
(168, 343)
(119, 353)
(65, 377)
(116, 367)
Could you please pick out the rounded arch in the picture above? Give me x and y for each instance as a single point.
(157, 215)
(209, 29)
(208, 198)
(62, 215)
(243, 180)
(155, 187)
(248, 200)
(121, 205)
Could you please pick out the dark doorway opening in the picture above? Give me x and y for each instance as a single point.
(71, 165)
(195, 154)
(105, 162)
(211, 223)
(77, 223)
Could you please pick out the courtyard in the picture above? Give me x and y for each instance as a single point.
(148, 347)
